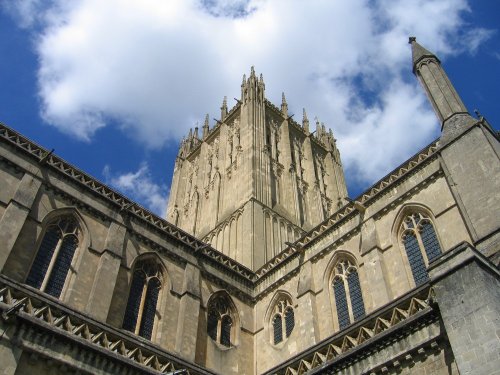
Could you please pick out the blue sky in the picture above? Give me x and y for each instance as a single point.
(113, 85)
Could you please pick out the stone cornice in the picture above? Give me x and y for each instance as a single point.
(379, 328)
(36, 309)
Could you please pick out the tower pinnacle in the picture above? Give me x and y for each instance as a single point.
(284, 105)
(446, 102)
(305, 121)
(205, 127)
(223, 109)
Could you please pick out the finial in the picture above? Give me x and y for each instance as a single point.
(223, 109)
(412, 39)
(284, 105)
(205, 127)
(244, 79)
(478, 114)
(196, 132)
(252, 71)
(305, 121)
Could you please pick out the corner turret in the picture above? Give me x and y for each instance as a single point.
(446, 102)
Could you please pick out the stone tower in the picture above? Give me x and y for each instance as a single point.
(257, 179)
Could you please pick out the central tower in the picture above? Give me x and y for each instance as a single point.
(257, 179)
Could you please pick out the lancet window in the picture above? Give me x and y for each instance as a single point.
(55, 255)
(283, 321)
(347, 293)
(147, 281)
(421, 244)
(220, 321)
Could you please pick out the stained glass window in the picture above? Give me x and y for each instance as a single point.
(341, 303)
(278, 329)
(219, 321)
(430, 241)
(143, 298)
(421, 245)
(289, 321)
(54, 256)
(283, 320)
(347, 293)
(358, 308)
(225, 330)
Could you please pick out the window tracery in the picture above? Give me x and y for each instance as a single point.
(55, 255)
(421, 244)
(147, 281)
(347, 293)
(220, 321)
(283, 320)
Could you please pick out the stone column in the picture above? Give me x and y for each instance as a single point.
(9, 352)
(374, 267)
(467, 288)
(189, 312)
(107, 272)
(15, 214)
(306, 317)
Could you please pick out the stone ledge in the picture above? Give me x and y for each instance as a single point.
(33, 309)
(458, 257)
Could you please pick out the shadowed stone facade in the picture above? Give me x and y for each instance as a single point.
(273, 271)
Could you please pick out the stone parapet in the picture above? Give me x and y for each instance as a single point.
(90, 346)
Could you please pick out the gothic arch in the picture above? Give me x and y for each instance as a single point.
(64, 258)
(407, 209)
(343, 282)
(416, 254)
(146, 296)
(223, 321)
(281, 309)
(338, 254)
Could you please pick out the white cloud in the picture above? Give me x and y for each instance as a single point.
(140, 186)
(157, 66)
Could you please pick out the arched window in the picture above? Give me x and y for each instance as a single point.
(146, 284)
(347, 293)
(283, 320)
(55, 254)
(421, 244)
(220, 321)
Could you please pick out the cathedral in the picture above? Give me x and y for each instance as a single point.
(263, 264)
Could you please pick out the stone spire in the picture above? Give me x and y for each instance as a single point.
(305, 121)
(223, 109)
(318, 129)
(284, 105)
(206, 127)
(447, 104)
